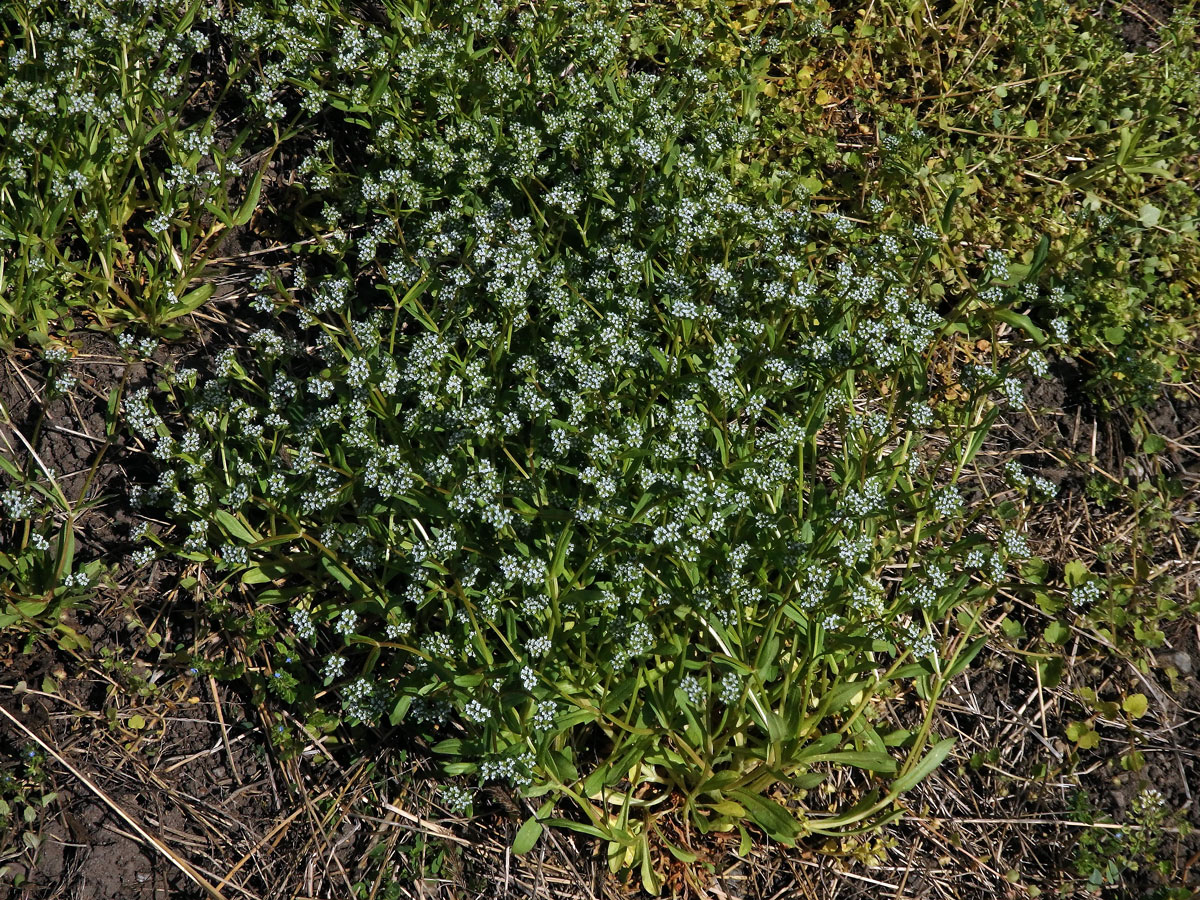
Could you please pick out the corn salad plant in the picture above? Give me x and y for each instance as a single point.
(115, 188)
(41, 578)
(626, 479)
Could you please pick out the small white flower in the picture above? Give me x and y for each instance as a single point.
(457, 798)
(529, 678)
(334, 667)
(1014, 395)
(1084, 595)
(692, 689)
(1014, 544)
(731, 688)
(476, 712)
(347, 622)
(303, 623)
(1062, 330)
(543, 719)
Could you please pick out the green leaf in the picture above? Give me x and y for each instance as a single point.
(1039, 257)
(982, 431)
(1056, 632)
(1149, 214)
(948, 209)
(581, 827)
(246, 210)
(189, 302)
(651, 881)
(839, 697)
(1051, 671)
(220, 212)
(1035, 570)
(1075, 573)
(1153, 444)
(396, 716)
(913, 670)
(745, 844)
(682, 855)
(527, 836)
(719, 781)
(32, 608)
(256, 575)
(768, 653)
(1136, 705)
(1021, 323)
(235, 527)
(860, 759)
(768, 815)
(66, 548)
(1013, 629)
(332, 568)
(558, 562)
(727, 807)
(921, 770)
(806, 781)
(966, 658)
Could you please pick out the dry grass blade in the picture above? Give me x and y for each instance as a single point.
(427, 827)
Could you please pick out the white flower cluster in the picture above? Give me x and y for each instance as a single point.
(17, 504)
(692, 689)
(518, 570)
(1086, 594)
(516, 770)
(731, 688)
(457, 798)
(363, 700)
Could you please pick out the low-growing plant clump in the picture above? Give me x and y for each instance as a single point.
(597, 410)
(629, 485)
(114, 192)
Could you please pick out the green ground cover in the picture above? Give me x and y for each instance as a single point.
(623, 407)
